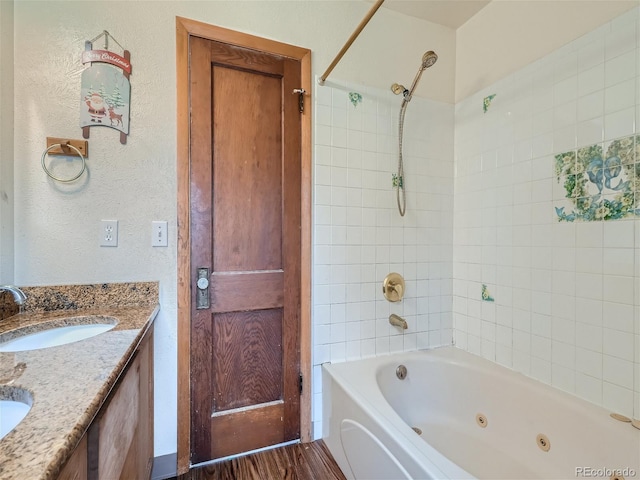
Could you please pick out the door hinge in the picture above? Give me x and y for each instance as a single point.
(300, 92)
(300, 383)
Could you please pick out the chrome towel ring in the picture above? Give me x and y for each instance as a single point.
(58, 179)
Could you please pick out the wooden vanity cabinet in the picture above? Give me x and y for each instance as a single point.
(119, 441)
(76, 466)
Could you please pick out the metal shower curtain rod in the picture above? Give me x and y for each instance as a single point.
(351, 39)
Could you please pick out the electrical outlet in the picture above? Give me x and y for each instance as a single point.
(159, 234)
(109, 233)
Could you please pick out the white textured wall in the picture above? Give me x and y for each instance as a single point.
(506, 35)
(56, 228)
(359, 235)
(6, 142)
(567, 294)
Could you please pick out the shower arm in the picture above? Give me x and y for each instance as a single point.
(351, 39)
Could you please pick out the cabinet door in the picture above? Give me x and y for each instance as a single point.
(139, 460)
(117, 429)
(145, 426)
(120, 439)
(76, 467)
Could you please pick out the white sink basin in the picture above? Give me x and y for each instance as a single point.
(54, 334)
(15, 403)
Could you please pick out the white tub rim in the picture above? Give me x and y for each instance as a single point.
(384, 414)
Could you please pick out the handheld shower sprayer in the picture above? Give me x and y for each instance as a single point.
(428, 59)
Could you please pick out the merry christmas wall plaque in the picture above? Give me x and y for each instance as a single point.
(105, 92)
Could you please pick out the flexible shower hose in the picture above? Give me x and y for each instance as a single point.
(402, 204)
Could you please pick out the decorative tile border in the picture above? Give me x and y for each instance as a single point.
(486, 296)
(486, 103)
(355, 98)
(599, 185)
(396, 181)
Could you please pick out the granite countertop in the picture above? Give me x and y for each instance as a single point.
(68, 383)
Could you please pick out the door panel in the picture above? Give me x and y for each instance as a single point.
(233, 430)
(228, 292)
(245, 223)
(247, 171)
(247, 358)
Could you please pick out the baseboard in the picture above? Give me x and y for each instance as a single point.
(165, 466)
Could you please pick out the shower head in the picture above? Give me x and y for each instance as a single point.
(428, 59)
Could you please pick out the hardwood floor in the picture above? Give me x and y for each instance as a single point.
(302, 461)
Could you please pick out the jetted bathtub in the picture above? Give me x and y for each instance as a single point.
(456, 415)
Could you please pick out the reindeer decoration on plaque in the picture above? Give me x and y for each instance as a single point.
(105, 91)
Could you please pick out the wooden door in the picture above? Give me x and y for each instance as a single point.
(245, 220)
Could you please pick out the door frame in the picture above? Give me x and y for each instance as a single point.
(184, 29)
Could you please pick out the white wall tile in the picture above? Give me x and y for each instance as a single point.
(619, 124)
(565, 139)
(565, 90)
(589, 337)
(619, 234)
(618, 261)
(590, 234)
(563, 378)
(589, 310)
(589, 362)
(589, 260)
(622, 37)
(619, 316)
(617, 399)
(590, 55)
(589, 132)
(620, 68)
(359, 236)
(618, 289)
(566, 304)
(589, 286)
(620, 96)
(589, 388)
(590, 106)
(617, 371)
(591, 80)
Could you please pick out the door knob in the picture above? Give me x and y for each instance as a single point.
(202, 294)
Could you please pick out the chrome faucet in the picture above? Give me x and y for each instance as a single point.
(398, 321)
(18, 295)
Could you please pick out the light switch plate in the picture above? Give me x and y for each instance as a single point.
(159, 234)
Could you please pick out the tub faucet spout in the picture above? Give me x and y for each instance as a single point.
(398, 321)
(18, 295)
